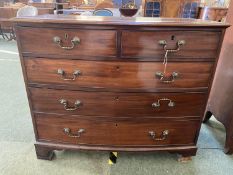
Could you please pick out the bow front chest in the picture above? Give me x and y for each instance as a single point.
(117, 84)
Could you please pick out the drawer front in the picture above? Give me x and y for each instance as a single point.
(146, 44)
(117, 104)
(104, 132)
(118, 75)
(46, 42)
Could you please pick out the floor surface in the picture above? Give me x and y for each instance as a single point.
(17, 154)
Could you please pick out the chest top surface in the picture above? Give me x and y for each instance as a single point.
(120, 21)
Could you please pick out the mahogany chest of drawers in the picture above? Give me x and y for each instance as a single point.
(117, 84)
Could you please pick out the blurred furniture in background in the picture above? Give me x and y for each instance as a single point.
(216, 3)
(153, 8)
(104, 4)
(189, 9)
(171, 8)
(48, 5)
(22, 1)
(1, 4)
(15, 5)
(42, 5)
(102, 12)
(87, 4)
(213, 13)
(220, 102)
(72, 11)
(9, 11)
(27, 11)
(42, 11)
(6, 26)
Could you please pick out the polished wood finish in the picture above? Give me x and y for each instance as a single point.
(146, 44)
(114, 99)
(116, 104)
(118, 75)
(92, 42)
(220, 102)
(113, 132)
(112, 22)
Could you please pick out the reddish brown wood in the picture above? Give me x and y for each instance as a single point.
(146, 44)
(6, 13)
(44, 152)
(118, 104)
(116, 21)
(114, 132)
(116, 91)
(220, 102)
(118, 75)
(172, 149)
(92, 42)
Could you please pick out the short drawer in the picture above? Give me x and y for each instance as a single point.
(67, 42)
(118, 104)
(113, 132)
(118, 75)
(198, 44)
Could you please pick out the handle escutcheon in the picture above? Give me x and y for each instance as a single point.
(78, 134)
(166, 79)
(163, 135)
(157, 104)
(77, 104)
(75, 41)
(75, 74)
(179, 43)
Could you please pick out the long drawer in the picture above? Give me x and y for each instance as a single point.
(109, 132)
(118, 75)
(194, 44)
(117, 104)
(75, 42)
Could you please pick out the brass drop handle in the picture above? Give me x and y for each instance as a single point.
(77, 104)
(157, 104)
(68, 132)
(75, 74)
(178, 44)
(75, 41)
(166, 79)
(163, 135)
